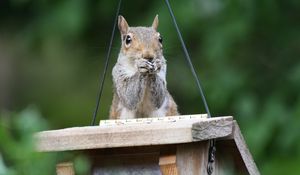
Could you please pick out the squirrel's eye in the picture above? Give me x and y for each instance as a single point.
(160, 39)
(128, 40)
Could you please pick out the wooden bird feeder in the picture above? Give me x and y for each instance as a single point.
(176, 145)
(167, 146)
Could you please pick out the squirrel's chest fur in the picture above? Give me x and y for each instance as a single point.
(138, 95)
(147, 107)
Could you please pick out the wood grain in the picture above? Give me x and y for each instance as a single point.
(167, 164)
(208, 129)
(192, 158)
(178, 147)
(94, 137)
(244, 151)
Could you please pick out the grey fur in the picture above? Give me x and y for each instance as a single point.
(139, 75)
(128, 89)
(158, 90)
(131, 90)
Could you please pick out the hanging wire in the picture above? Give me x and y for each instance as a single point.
(212, 147)
(102, 78)
(188, 59)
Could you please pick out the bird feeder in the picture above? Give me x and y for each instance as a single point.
(176, 145)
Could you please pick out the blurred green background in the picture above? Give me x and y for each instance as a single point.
(246, 53)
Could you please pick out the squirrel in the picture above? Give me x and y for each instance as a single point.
(139, 76)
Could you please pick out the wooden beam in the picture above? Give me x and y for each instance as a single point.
(243, 150)
(192, 158)
(167, 164)
(65, 168)
(139, 134)
(209, 129)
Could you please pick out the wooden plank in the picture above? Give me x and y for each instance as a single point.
(125, 164)
(167, 159)
(228, 158)
(168, 119)
(167, 164)
(142, 134)
(209, 129)
(244, 151)
(65, 168)
(192, 158)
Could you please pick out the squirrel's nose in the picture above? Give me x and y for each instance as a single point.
(148, 56)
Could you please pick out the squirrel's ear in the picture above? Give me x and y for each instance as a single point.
(155, 23)
(123, 25)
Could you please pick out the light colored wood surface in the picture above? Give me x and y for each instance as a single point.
(167, 159)
(141, 134)
(168, 119)
(65, 168)
(187, 134)
(167, 164)
(192, 158)
(169, 169)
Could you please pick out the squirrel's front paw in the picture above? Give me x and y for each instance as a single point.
(157, 65)
(145, 66)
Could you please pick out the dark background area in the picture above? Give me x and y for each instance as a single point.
(246, 53)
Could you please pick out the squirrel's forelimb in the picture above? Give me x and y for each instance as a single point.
(137, 90)
(128, 87)
(157, 88)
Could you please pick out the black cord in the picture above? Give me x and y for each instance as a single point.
(102, 78)
(187, 56)
(212, 147)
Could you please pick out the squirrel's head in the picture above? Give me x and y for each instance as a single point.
(140, 42)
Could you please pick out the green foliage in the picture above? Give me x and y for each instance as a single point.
(18, 154)
(81, 165)
(246, 53)
(17, 145)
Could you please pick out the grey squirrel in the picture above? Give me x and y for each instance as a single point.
(139, 76)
